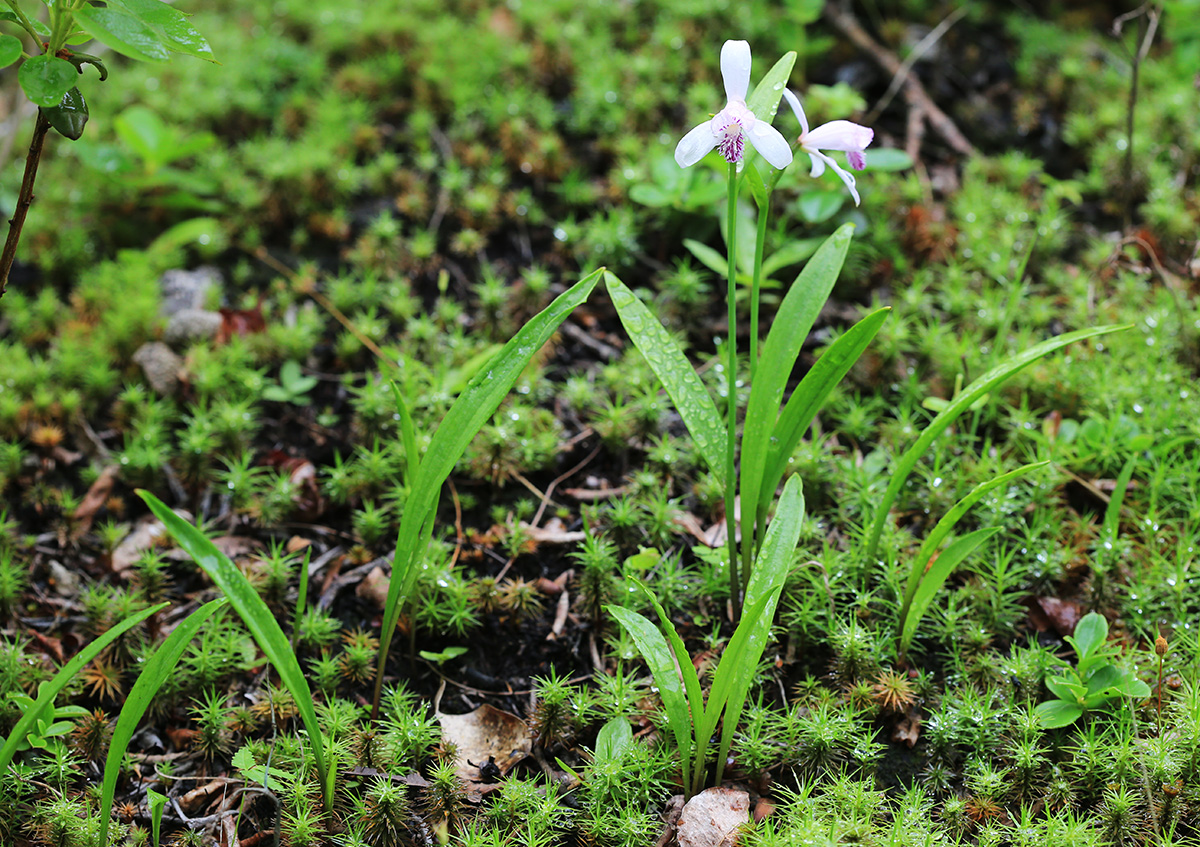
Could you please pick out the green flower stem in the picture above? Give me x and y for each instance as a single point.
(24, 21)
(735, 576)
(752, 532)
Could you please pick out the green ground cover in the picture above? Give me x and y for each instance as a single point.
(387, 193)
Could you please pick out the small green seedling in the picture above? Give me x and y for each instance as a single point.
(444, 656)
(292, 386)
(47, 731)
(1094, 680)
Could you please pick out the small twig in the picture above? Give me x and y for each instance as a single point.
(922, 47)
(550, 488)
(1147, 18)
(914, 92)
(24, 199)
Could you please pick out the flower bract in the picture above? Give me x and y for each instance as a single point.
(731, 127)
(846, 136)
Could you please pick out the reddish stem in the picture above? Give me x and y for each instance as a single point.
(24, 199)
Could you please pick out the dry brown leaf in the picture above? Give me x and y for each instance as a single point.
(1047, 613)
(373, 588)
(909, 729)
(95, 498)
(713, 818)
(484, 735)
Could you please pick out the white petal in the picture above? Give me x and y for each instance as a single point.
(794, 102)
(771, 144)
(695, 145)
(845, 175)
(840, 135)
(735, 69)
(818, 164)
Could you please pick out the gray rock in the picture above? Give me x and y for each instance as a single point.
(160, 365)
(183, 289)
(188, 325)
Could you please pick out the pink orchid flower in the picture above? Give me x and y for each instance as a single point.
(729, 129)
(849, 137)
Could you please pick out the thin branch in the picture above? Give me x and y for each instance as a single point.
(24, 199)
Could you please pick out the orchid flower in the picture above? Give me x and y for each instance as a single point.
(730, 127)
(836, 135)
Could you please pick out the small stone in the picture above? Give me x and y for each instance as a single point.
(160, 365)
(182, 289)
(188, 325)
(714, 818)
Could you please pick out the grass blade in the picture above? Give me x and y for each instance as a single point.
(935, 538)
(676, 373)
(477, 403)
(937, 575)
(154, 673)
(984, 384)
(808, 398)
(654, 650)
(47, 691)
(257, 617)
(792, 323)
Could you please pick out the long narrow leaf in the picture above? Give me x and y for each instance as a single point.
(790, 327)
(676, 373)
(1112, 513)
(477, 403)
(254, 613)
(808, 398)
(731, 682)
(654, 650)
(47, 691)
(154, 673)
(984, 384)
(947, 523)
(937, 575)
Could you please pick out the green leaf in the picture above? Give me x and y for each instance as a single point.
(676, 373)
(791, 253)
(613, 741)
(452, 652)
(155, 672)
(1091, 632)
(658, 656)
(789, 329)
(1054, 714)
(171, 25)
(820, 205)
(258, 619)
(758, 189)
(1065, 688)
(477, 403)
(47, 691)
(45, 79)
(10, 49)
(708, 257)
(888, 159)
(122, 32)
(937, 574)
(808, 397)
(157, 802)
(739, 661)
(985, 383)
(70, 116)
(764, 100)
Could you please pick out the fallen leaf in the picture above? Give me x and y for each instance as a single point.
(373, 588)
(146, 535)
(96, 497)
(553, 533)
(482, 735)
(713, 818)
(909, 729)
(235, 322)
(1050, 612)
(196, 798)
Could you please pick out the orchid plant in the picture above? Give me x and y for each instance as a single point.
(769, 435)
